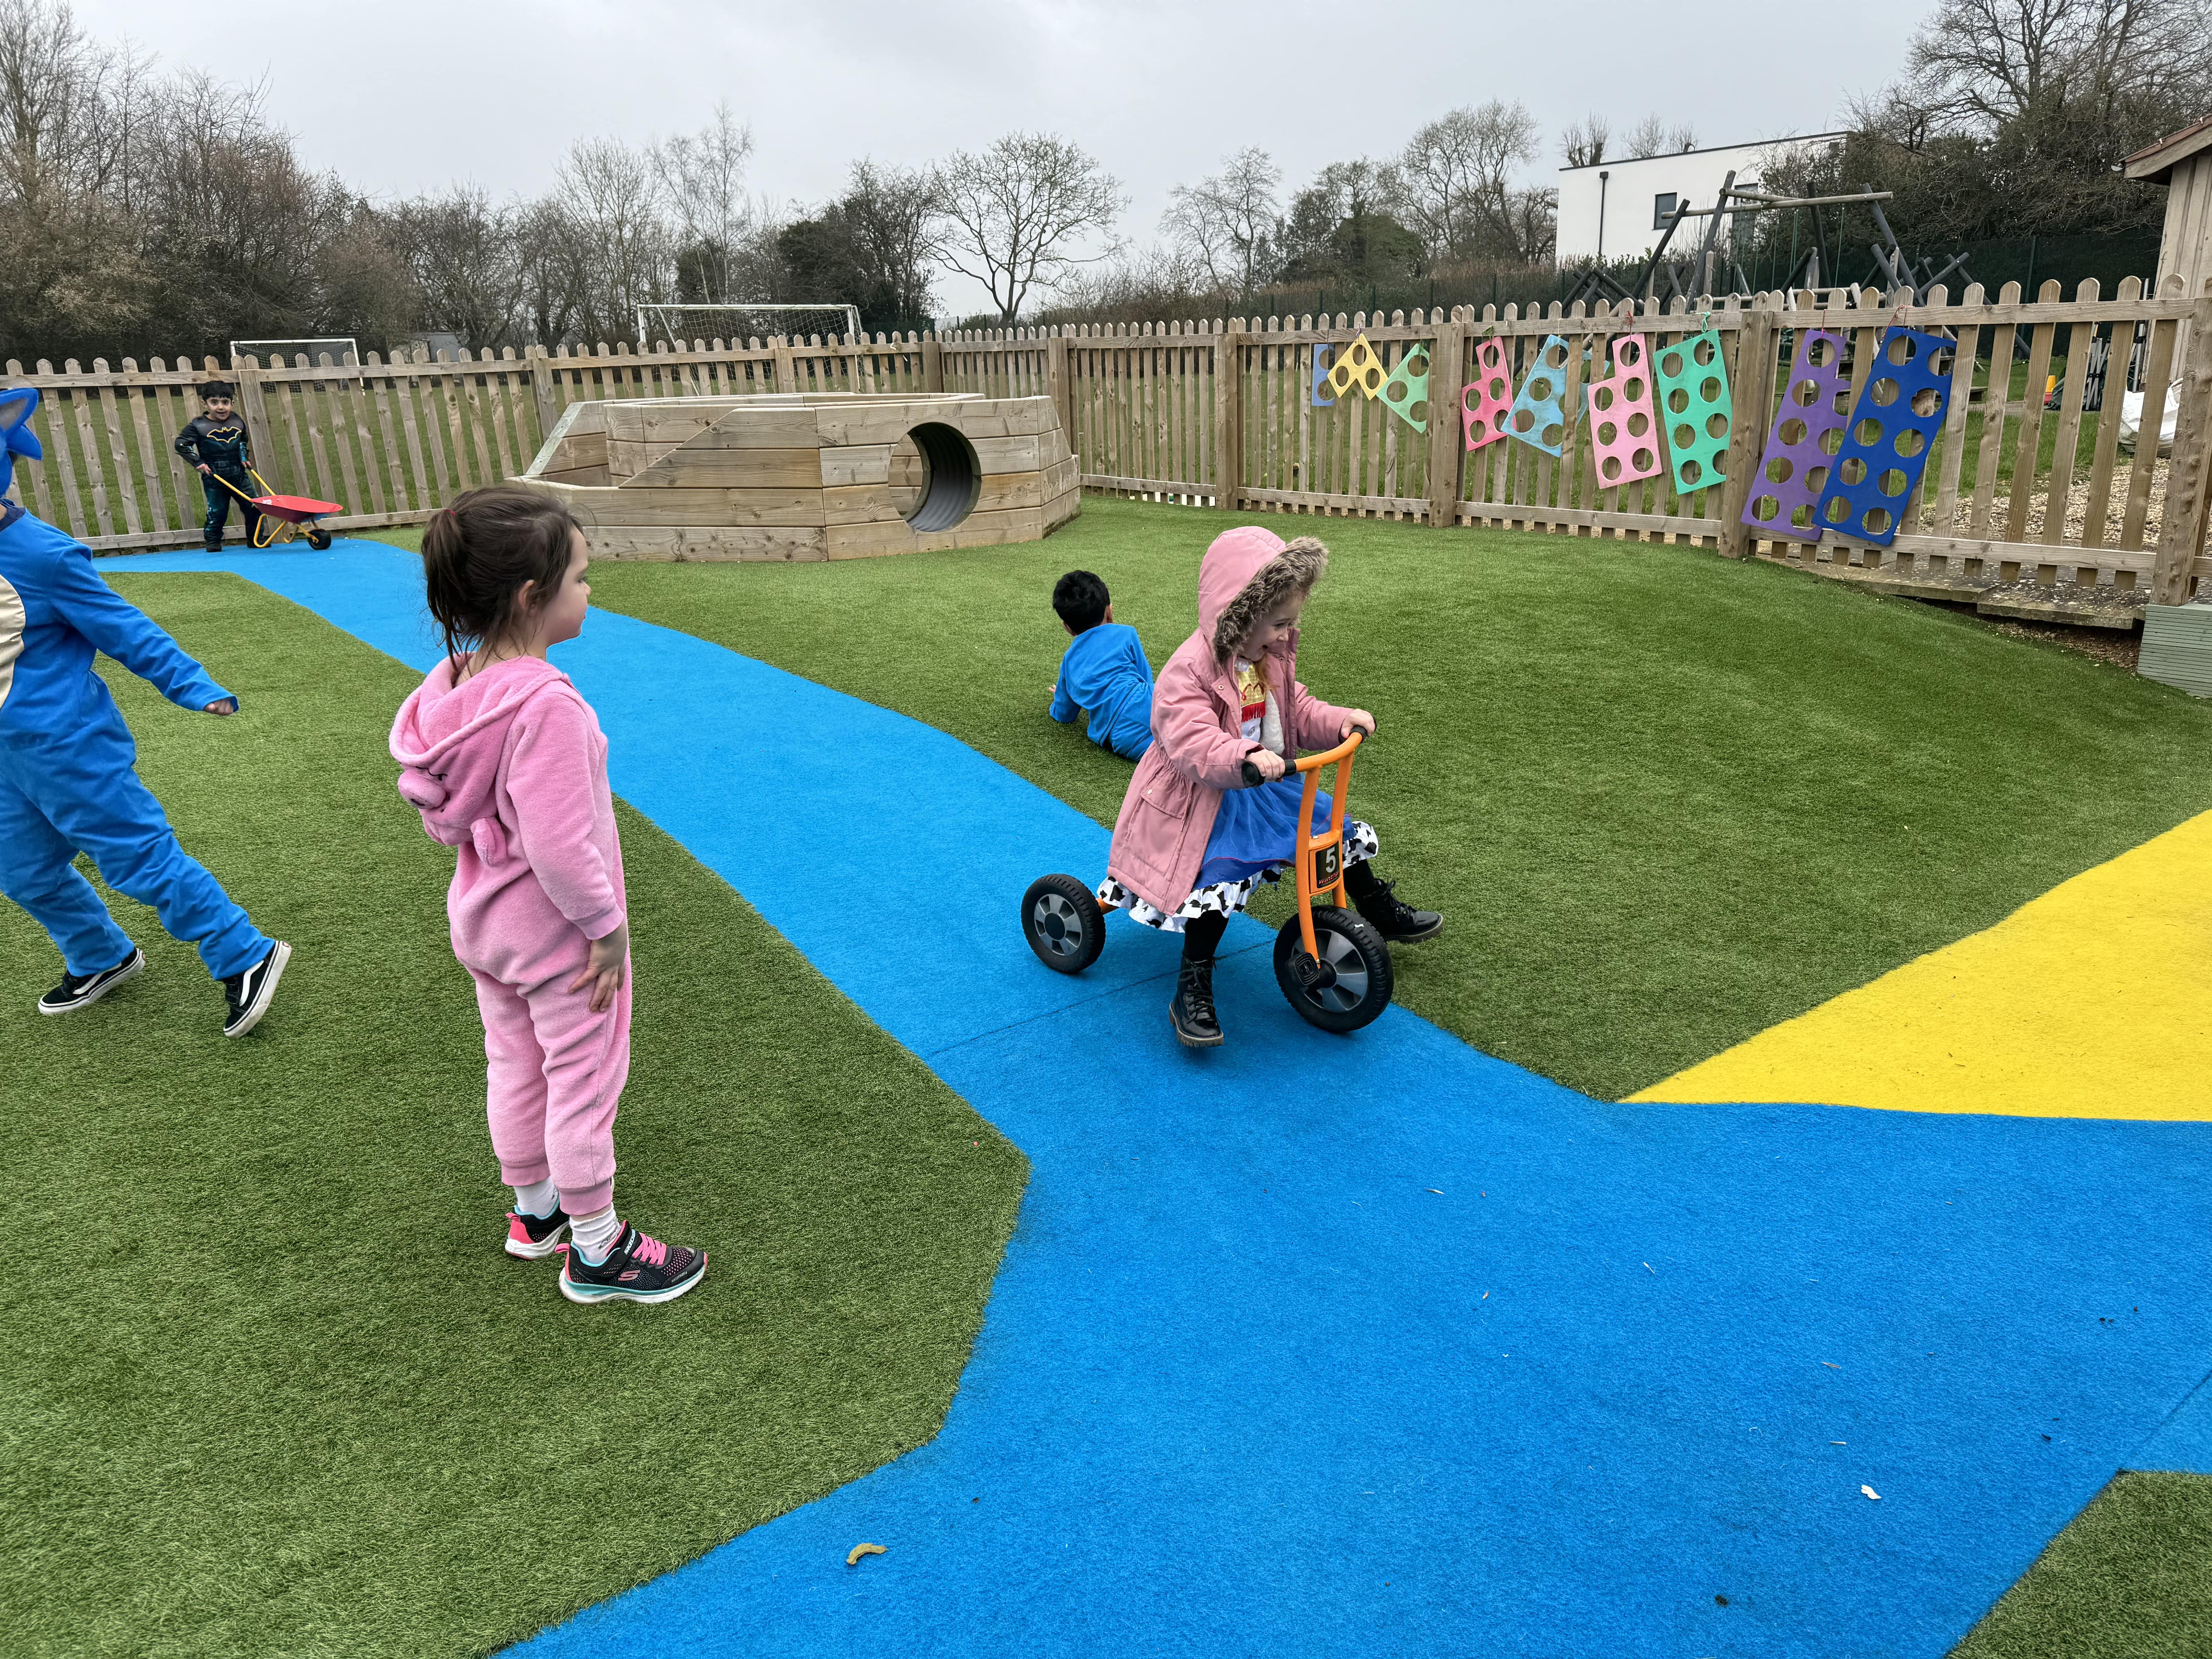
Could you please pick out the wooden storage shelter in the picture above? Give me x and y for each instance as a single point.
(808, 476)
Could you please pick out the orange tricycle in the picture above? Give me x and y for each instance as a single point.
(1333, 967)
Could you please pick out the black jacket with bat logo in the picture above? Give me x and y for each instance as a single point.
(221, 447)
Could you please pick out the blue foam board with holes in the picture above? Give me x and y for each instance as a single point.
(1323, 356)
(1541, 405)
(1892, 432)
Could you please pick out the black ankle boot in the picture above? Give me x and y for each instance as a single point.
(1192, 1011)
(1385, 912)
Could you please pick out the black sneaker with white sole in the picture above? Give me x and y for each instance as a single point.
(249, 993)
(637, 1269)
(81, 990)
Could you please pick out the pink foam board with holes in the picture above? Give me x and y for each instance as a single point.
(1624, 439)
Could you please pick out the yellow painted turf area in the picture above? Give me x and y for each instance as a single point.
(2086, 1002)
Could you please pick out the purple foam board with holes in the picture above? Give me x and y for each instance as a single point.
(1891, 433)
(1815, 403)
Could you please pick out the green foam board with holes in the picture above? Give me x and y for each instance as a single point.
(1406, 393)
(1695, 410)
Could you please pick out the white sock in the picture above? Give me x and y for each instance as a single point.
(594, 1236)
(537, 1200)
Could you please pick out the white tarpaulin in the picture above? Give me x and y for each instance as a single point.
(2131, 404)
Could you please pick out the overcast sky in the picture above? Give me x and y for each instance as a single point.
(401, 96)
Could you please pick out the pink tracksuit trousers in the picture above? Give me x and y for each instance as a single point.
(510, 767)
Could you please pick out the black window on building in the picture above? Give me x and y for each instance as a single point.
(1662, 210)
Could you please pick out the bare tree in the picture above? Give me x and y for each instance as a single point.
(1016, 214)
(1224, 226)
(1583, 142)
(889, 213)
(610, 197)
(1978, 63)
(1456, 179)
(463, 253)
(703, 177)
(1653, 137)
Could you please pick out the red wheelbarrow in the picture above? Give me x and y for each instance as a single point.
(282, 517)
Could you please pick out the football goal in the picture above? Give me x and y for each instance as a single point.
(682, 325)
(340, 351)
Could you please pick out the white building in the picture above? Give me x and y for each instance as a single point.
(1618, 210)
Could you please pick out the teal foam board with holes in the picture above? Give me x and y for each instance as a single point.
(1695, 409)
(1539, 415)
(1892, 432)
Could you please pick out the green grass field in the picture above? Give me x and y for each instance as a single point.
(272, 1387)
(279, 1391)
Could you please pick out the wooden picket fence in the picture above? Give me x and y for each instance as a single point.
(1222, 412)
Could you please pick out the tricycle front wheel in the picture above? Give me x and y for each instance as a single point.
(1350, 985)
(1061, 920)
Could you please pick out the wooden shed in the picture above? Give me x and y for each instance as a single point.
(807, 475)
(2182, 162)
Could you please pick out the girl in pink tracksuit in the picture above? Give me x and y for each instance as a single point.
(505, 760)
(1194, 839)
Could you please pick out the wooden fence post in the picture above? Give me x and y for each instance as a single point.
(1228, 415)
(1753, 384)
(256, 410)
(1447, 445)
(932, 365)
(2173, 577)
(1057, 385)
(787, 365)
(541, 388)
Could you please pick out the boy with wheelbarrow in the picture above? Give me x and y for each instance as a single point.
(215, 442)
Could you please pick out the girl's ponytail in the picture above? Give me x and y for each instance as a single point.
(477, 554)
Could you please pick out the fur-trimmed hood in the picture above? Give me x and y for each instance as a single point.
(1244, 573)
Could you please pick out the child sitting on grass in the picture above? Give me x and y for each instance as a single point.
(1193, 840)
(505, 761)
(1103, 672)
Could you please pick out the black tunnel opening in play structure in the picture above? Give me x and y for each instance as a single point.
(951, 478)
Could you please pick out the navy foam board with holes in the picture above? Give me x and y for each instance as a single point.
(1892, 429)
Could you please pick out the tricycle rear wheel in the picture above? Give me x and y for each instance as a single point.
(1061, 920)
(1354, 980)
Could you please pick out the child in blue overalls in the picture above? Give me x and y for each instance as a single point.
(69, 781)
(214, 442)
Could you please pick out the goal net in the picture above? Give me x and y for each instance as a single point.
(681, 325)
(340, 351)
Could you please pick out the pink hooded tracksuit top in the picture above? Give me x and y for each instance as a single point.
(1198, 746)
(510, 767)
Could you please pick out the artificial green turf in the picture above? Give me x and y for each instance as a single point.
(267, 1383)
(2131, 1579)
(1664, 800)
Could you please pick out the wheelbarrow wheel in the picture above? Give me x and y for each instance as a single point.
(1349, 986)
(317, 538)
(1061, 920)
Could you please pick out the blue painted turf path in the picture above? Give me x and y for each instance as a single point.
(1248, 1385)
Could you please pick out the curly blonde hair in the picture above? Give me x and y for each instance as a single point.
(1293, 570)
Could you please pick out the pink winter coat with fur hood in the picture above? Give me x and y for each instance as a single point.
(510, 767)
(1198, 746)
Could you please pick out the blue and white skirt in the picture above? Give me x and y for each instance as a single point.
(1254, 840)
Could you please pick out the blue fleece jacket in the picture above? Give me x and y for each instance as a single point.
(55, 612)
(1105, 673)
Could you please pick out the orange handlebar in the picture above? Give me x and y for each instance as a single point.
(1330, 756)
